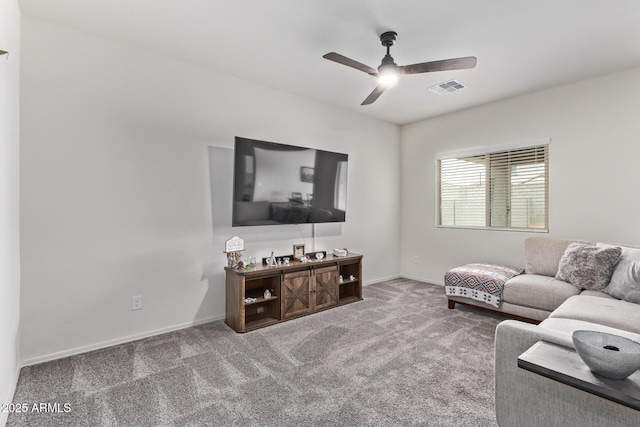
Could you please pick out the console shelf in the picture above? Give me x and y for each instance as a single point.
(260, 300)
(296, 290)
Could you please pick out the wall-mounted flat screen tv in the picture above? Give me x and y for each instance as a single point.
(276, 183)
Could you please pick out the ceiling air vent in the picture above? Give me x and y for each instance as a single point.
(447, 87)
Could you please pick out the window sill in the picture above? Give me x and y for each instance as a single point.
(519, 230)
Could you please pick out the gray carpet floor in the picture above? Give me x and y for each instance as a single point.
(398, 358)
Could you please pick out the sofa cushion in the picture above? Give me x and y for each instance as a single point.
(588, 266)
(570, 325)
(543, 255)
(524, 312)
(537, 291)
(625, 281)
(604, 311)
(600, 294)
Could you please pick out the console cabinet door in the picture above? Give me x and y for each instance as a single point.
(325, 293)
(296, 294)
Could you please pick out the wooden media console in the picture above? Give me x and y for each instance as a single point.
(297, 289)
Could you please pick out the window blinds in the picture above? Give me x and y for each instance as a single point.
(501, 189)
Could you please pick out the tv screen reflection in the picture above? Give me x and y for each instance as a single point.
(284, 184)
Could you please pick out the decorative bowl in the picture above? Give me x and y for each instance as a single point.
(608, 355)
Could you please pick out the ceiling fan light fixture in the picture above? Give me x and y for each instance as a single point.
(388, 74)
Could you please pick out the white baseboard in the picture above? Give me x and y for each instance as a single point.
(422, 279)
(404, 276)
(117, 341)
(380, 279)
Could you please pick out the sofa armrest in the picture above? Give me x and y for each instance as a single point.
(524, 398)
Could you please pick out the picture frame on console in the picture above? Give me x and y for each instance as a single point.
(298, 251)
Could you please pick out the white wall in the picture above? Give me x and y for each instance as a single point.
(594, 154)
(9, 200)
(115, 187)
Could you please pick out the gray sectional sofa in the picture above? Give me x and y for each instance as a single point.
(524, 399)
(527, 399)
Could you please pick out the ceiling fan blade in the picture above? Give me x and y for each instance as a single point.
(374, 95)
(340, 59)
(443, 65)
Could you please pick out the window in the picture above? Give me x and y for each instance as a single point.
(507, 189)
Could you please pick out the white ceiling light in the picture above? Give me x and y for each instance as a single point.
(388, 74)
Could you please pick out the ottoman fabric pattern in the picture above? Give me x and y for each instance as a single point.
(481, 282)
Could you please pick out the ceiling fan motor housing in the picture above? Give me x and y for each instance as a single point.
(388, 38)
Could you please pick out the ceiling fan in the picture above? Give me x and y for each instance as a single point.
(388, 71)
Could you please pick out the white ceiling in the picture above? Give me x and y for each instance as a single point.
(521, 45)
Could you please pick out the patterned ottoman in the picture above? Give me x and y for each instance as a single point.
(481, 282)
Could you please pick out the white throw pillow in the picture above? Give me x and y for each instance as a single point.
(628, 252)
(625, 281)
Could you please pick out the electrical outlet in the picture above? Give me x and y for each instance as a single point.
(260, 310)
(136, 302)
(416, 260)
